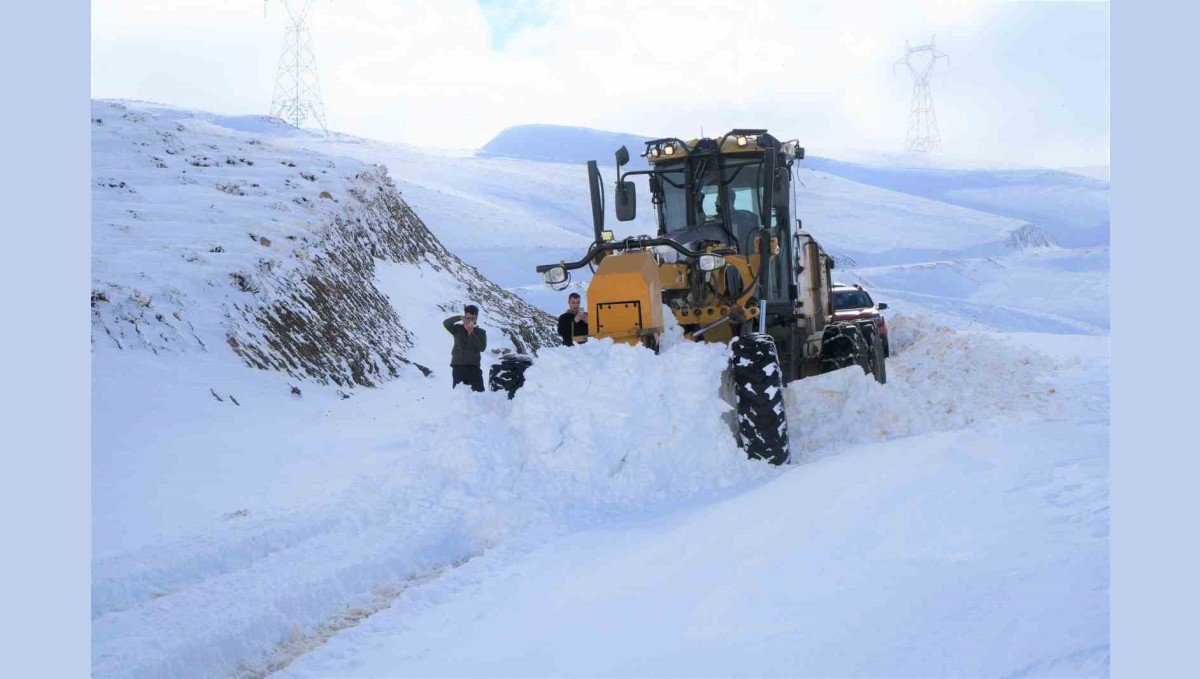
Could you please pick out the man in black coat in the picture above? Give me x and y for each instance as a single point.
(469, 342)
(573, 321)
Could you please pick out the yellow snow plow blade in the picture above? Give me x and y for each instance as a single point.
(625, 298)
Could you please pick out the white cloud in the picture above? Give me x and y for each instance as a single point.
(412, 70)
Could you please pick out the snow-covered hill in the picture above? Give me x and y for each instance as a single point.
(560, 144)
(233, 271)
(1070, 208)
(1049, 290)
(207, 235)
(505, 215)
(292, 521)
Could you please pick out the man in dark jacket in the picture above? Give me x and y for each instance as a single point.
(573, 321)
(469, 341)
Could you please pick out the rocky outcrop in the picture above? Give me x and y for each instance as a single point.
(330, 323)
(1030, 236)
(205, 239)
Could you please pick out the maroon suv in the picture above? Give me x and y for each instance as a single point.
(852, 303)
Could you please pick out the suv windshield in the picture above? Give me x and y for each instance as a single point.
(851, 299)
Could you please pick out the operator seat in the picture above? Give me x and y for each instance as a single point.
(744, 222)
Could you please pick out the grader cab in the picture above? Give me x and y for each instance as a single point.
(730, 262)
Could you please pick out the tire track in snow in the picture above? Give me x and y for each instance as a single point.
(300, 642)
(128, 580)
(212, 624)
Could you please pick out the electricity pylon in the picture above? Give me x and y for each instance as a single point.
(297, 91)
(923, 132)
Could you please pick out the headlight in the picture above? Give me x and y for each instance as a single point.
(710, 262)
(554, 276)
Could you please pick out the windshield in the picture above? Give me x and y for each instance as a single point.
(739, 183)
(851, 299)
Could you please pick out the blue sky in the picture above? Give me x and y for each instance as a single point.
(507, 17)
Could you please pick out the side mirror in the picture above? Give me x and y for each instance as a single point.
(881, 306)
(626, 201)
(597, 190)
(780, 193)
(768, 188)
(622, 156)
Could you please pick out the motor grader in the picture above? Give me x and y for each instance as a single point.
(731, 263)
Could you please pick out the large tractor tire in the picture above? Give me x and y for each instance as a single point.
(838, 347)
(876, 352)
(758, 385)
(862, 348)
(509, 374)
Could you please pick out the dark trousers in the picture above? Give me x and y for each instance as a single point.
(471, 375)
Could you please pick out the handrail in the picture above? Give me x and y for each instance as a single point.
(625, 244)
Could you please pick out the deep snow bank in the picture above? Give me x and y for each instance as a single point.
(980, 552)
(599, 429)
(434, 477)
(938, 379)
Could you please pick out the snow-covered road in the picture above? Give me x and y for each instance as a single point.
(978, 551)
(975, 481)
(954, 554)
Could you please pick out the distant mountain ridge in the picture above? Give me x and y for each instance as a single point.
(563, 144)
(505, 214)
(1070, 208)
